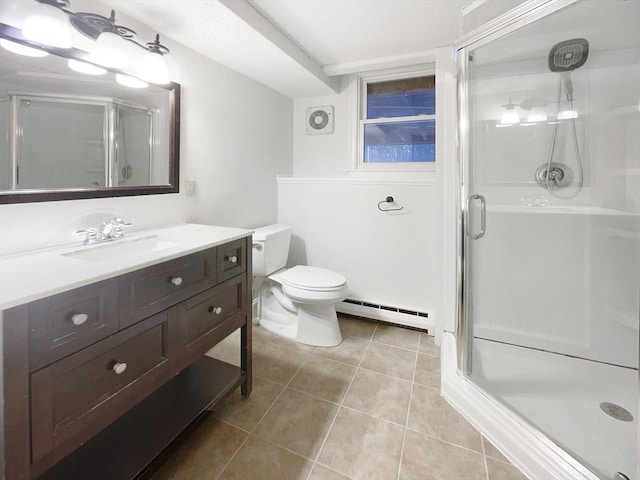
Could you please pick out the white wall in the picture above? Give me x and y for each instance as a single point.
(387, 258)
(226, 146)
(390, 259)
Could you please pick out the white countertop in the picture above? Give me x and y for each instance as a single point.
(36, 274)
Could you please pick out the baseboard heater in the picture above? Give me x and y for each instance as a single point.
(385, 313)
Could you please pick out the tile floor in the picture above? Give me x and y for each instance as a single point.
(367, 409)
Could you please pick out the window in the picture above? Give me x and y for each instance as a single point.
(397, 122)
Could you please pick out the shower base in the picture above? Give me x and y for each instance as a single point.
(561, 396)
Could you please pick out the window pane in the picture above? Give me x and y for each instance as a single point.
(400, 142)
(402, 98)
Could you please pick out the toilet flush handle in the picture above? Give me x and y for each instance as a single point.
(257, 246)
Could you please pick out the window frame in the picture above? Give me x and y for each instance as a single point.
(360, 112)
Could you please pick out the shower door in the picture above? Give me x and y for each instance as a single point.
(550, 145)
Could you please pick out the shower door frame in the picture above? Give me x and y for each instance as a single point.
(523, 15)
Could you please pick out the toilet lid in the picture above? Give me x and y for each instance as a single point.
(313, 278)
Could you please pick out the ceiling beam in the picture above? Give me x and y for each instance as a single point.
(261, 24)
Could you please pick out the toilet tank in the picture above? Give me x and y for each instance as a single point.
(271, 249)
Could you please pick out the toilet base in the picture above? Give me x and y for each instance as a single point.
(315, 325)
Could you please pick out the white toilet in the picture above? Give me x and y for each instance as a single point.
(299, 302)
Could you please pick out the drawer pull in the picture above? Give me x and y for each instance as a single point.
(119, 368)
(232, 259)
(216, 310)
(177, 281)
(79, 318)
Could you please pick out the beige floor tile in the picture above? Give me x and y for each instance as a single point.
(397, 336)
(297, 422)
(324, 378)
(259, 459)
(431, 414)
(350, 351)
(428, 345)
(428, 371)
(356, 327)
(503, 471)
(247, 412)
(323, 473)
(491, 451)
(204, 454)
(228, 350)
(380, 396)
(426, 458)
(277, 363)
(389, 360)
(262, 337)
(362, 446)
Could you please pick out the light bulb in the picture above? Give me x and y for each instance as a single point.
(84, 67)
(111, 51)
(48, 25)
(537, 114)
(567, 114)
(510, 117)
(129, 81)
(153, 68)
(21, 49)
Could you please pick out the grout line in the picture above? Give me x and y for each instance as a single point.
(435, 437)
(264, 415)
(406, 419)
(341, 405)
(484, 457)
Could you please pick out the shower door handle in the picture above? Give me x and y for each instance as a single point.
(483, 216)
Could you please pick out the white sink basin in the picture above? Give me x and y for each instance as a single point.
(121, 249)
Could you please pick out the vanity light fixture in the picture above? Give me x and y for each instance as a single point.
(84, 67)
(112, 48)
(129, 81)
(21, 49)
(537, 114)
(510, 116)
(567, 114)
(48, 23)
(51, 23)
(153, 67)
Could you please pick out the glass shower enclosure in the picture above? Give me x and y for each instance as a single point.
(550, 196)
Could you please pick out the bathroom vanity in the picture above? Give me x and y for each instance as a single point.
(103, 348)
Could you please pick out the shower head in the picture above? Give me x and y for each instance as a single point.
(568, 55)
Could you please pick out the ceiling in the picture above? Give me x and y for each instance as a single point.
(300, 47)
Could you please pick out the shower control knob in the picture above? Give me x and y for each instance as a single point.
(177, 281)
(79, 318)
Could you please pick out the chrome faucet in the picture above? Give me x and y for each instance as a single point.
(109, 230)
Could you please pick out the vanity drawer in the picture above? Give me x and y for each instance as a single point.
(76, 397)
(208, 317)
(232, 259)
(155, 288)
(65, 323)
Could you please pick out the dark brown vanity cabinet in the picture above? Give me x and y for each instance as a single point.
(118, 366)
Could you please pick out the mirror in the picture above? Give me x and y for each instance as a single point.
(68, 135)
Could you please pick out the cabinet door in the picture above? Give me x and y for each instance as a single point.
(207, 318)
(74, 398)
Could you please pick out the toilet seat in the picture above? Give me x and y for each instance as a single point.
(314, 279)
